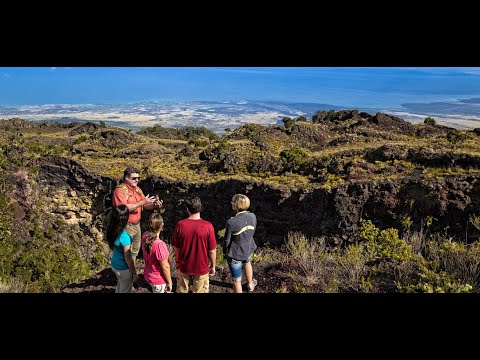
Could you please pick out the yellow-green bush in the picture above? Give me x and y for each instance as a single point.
(385, 244)
(391, 246)
(432, 282)
(49, 259)
(220, 260)
(367, 231)
(47, 266)
(7, 244)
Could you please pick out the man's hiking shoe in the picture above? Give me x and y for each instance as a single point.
(251, 286)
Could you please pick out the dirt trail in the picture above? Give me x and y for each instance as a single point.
(105, 282)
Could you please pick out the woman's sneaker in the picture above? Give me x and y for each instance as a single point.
(251, 286)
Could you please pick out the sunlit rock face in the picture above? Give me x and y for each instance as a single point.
(79, 197)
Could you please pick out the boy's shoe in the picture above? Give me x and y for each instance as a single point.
(251, 286)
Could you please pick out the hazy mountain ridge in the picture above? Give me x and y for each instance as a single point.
(219, 115)
(469, 107)
(215, 115)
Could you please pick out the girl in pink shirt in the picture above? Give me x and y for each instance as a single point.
(155, 254)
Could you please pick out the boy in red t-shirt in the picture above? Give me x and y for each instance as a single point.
(195, 249)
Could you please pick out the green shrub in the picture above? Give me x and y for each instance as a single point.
(43, 262)
(294, 159)
(406, 223)
(80, 139)
(392, 247)
(183, 133)
(41, 149)
(432, 282)
(221, 259)
(264, 164)
(456, 136)
(288, 122)
(46, 266)
(199, 142)
(475, 221)
(430, 121)
(8, 248)
(367, 231)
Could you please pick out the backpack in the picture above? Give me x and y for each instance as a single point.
(107, 202)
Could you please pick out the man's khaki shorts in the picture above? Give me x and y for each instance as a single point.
(200, 284)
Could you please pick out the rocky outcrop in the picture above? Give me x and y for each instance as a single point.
(79, 196)
(391, 123)
(85, 128)
(72, 192)
(17, 123)
(427, 156)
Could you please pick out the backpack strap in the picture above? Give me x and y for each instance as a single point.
(127, 194)
(122, 186)
(139, 191)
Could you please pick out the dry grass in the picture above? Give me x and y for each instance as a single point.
(12, 285)
(417, 240)
(439, 263)
(327, 269)
(461, 260)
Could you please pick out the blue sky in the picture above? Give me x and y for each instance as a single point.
(341, 86)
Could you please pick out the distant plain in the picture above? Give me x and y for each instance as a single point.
(220, 115)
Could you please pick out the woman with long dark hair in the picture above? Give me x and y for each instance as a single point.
(120, 242)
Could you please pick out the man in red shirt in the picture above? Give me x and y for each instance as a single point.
(128, 193)
(195, 249)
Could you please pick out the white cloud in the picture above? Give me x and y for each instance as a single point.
(244, 70)
(472, 72)
(451, 70)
